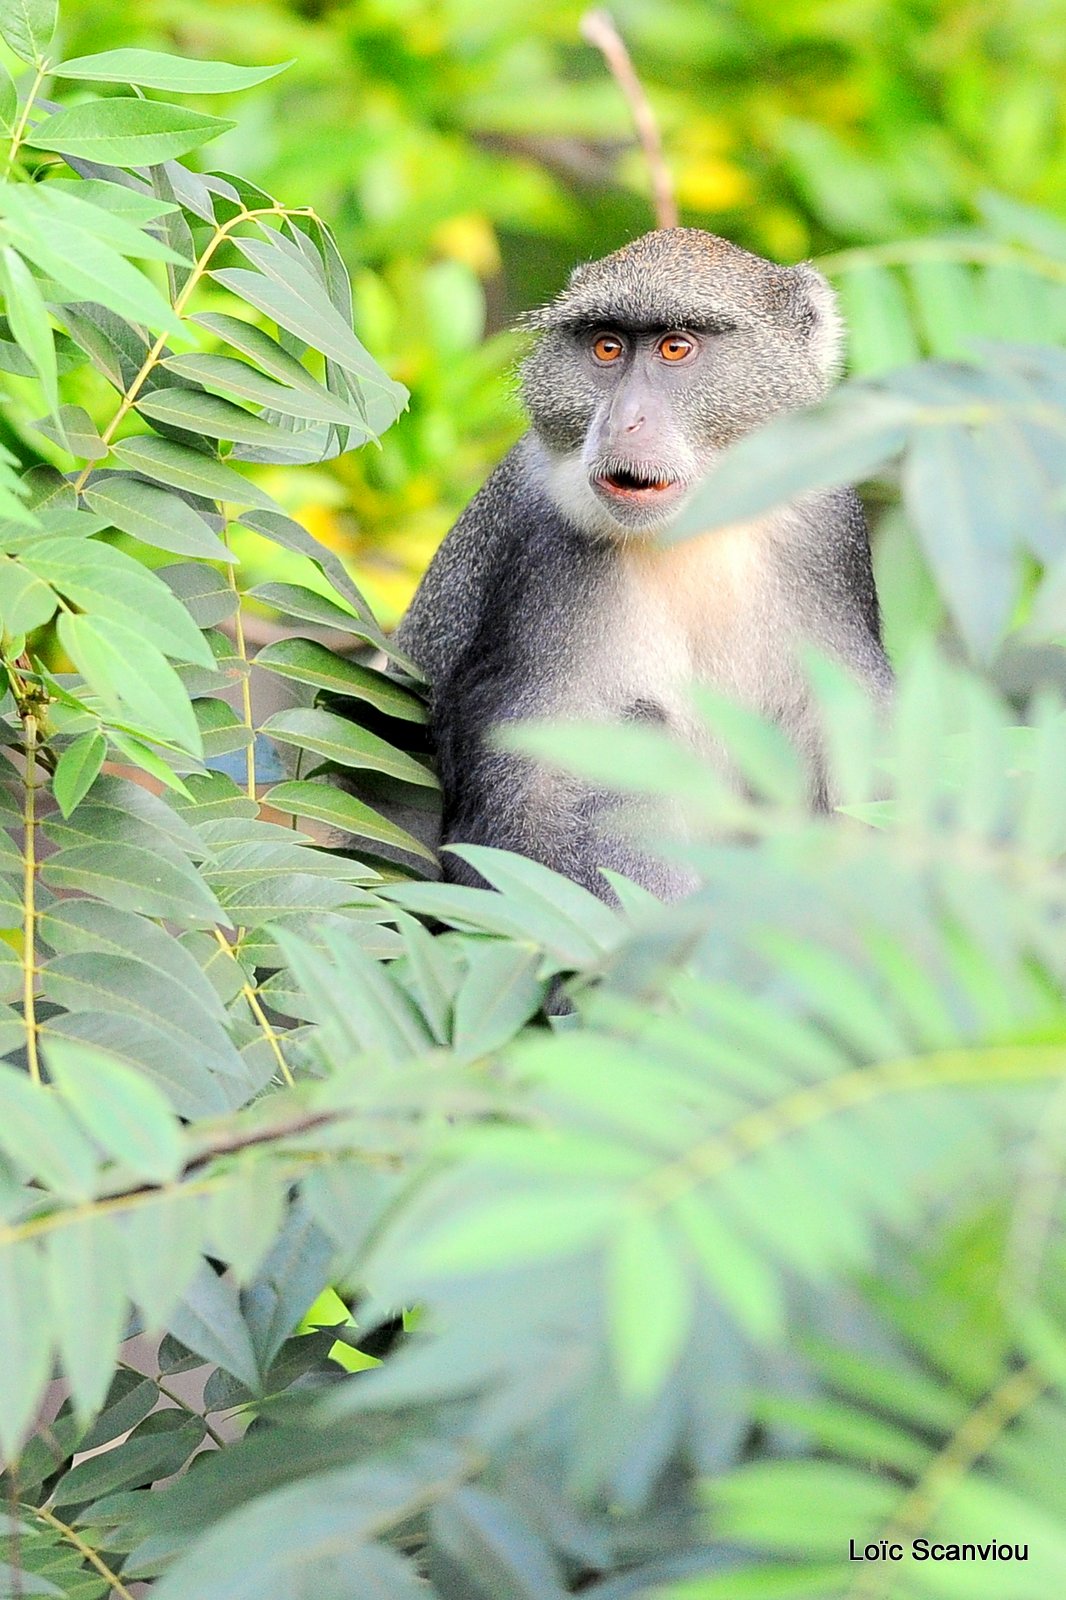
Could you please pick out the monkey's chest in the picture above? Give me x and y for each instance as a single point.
(712, 611)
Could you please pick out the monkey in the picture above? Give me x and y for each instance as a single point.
(555, 596)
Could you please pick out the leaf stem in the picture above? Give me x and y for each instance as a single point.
(242, 651)
(972, 1439)
(916, 250)
(183, 1405)
(256, 1008)
(84, 1549)
(20, 127)
(222, 231)
(29, 893)
(804, 1107)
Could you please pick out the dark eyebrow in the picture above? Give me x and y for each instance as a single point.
(586, 326)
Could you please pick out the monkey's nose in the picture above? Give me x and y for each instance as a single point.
(635, 424)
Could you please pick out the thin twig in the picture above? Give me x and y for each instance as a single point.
(84, 1549)
(598, 29)
(179, 1401)
(254, 1006)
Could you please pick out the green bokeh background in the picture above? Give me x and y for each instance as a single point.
(468, 153)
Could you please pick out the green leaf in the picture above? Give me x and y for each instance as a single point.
(650, 1301)
(133, 806)
(70, 204)
(290, 535)
(237, 377)
(307, 604)
(153, 69)
(134, 680)
(308, 661)
(287, 292)
(26, 601)
(9, 101)
(221, 730)
(243, 1219)
(516, 1227)
(208, 1319)
(500, 993)
(116, 346)
(27, 26)
(134, 879)
(183, 468)
(126, 1115)
(584, 924)
(130, 204)
(1023, 224)
(154, 516)
(736, 1270)
(259, 347)
(949, 313)
(496, 1550)
(262, 899)
(209, 415)
(62, 236)
(40, 1135)
(161, 1240)
(141, 755)
(78, 768)
(112, 584)
(74, 430)
(481, 910)
(968, 530)
(89, 928)
(155, 1449)
(880, 332)
(88, 1305)
(844, 441)
(195, 1082)
(26, 1340)
(374, 1010)
(203, 591)
(324, 802)
(28, 316)
(345, 743)
(126, 132)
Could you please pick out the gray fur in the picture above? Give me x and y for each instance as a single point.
(552, 596)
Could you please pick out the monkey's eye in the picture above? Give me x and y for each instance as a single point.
(675, 347)
(607, 347)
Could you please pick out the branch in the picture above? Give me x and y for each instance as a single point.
(972, 1439)
(598, 29)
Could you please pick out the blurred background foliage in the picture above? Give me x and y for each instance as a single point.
(467, 155)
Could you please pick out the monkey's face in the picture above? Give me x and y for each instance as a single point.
(655, 359)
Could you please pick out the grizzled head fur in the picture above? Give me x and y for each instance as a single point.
(765, 339)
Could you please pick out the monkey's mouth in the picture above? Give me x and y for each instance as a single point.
(638, 484)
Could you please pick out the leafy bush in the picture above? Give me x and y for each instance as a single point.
(754, 1253)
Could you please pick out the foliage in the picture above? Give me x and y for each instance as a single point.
(755, 1250)
(468, 156)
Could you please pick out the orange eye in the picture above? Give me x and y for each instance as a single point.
(675, 347)
(607, 347)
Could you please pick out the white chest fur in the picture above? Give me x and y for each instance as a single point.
(709, 609)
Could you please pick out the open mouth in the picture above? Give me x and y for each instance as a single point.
(640, 483)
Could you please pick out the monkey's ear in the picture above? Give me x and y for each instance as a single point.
(819, 317)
